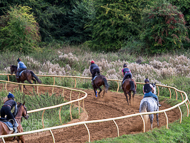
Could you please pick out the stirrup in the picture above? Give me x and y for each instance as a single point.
(15, 129)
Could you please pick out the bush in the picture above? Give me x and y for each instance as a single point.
(19, 30)
(114, 21)
(164, 28)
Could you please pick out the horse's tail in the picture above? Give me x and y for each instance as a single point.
(38, 80)
(132, 85)
(106, 84)
(143, 108)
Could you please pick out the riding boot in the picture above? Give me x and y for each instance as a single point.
(17, 75)
(15, 127)
(158, 104)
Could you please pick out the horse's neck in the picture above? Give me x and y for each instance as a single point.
(18, 116)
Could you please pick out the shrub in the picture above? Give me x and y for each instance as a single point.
(19, 30)
(115, 20)
(164, 28)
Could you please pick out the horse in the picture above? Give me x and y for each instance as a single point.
(4, 130)
(25, 75)
(149, 104)
(129, 85)
(98, 81)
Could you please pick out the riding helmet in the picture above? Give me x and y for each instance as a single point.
(125, 65)
(146, 80)
(18, 60)
(10, 95)
(92, 62)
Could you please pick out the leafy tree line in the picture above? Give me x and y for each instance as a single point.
(102, 24)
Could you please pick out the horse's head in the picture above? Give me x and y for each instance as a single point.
(154, 86)
(22, 110)
(13, 69)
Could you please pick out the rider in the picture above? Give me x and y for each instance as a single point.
(6, 110)
(94, 69)
(21, 66)
(126, 72)
(147, 90)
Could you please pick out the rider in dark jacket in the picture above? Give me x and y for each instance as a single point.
(21, 66)
(126, 72)
(147, 90)
(94, 69)
(6, 110)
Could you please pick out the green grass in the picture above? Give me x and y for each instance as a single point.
(177, 133)
(51, 117)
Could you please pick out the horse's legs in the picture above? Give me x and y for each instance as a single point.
(151, 116)
(28, 80)
(99, 91)
(23, 85)
(129, 96)
(22, 139)
(95, 90)
(104, 91)
(126, 96)
(34, 80)
(157, 120)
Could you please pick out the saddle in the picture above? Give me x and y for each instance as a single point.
(125, 79)
(21, 72)
(94, 78)
(7, 123)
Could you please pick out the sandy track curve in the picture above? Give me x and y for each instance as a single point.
(112, 105)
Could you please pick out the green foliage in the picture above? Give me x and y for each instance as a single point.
(177, 133)
(80, 15)
(115, 21)
(51, 117)
(133, 46)
(164, 28)
(19, 30)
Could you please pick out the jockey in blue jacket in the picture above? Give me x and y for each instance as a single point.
(21, 66)
(6, 110)
(126, 72)
(147, 90)
(94, 69)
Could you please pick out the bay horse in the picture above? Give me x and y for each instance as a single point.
(4, 130)
(128, 86)
(149, 104)
(26, 75)
(98, 82)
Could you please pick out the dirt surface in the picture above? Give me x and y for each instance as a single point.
(112, 105)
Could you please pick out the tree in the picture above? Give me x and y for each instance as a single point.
(114, 22)
(164, 28)
(19, 30)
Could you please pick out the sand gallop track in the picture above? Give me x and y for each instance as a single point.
(112, 105)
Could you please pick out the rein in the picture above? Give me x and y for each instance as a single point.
(20, 117)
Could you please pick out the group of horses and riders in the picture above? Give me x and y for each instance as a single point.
(150, 101)
(12, 121)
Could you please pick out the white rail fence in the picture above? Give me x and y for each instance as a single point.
(184, 98)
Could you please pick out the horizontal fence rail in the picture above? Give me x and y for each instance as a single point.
(55, 106)
(184, 98)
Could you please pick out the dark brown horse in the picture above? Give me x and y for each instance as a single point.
(26, 75)
(128, 86)
(4, 130)
(98, 82)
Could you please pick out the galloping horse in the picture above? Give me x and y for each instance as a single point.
(149, 104)
(129, 85)
(26, 75)
(98, 81)
(4, 130)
